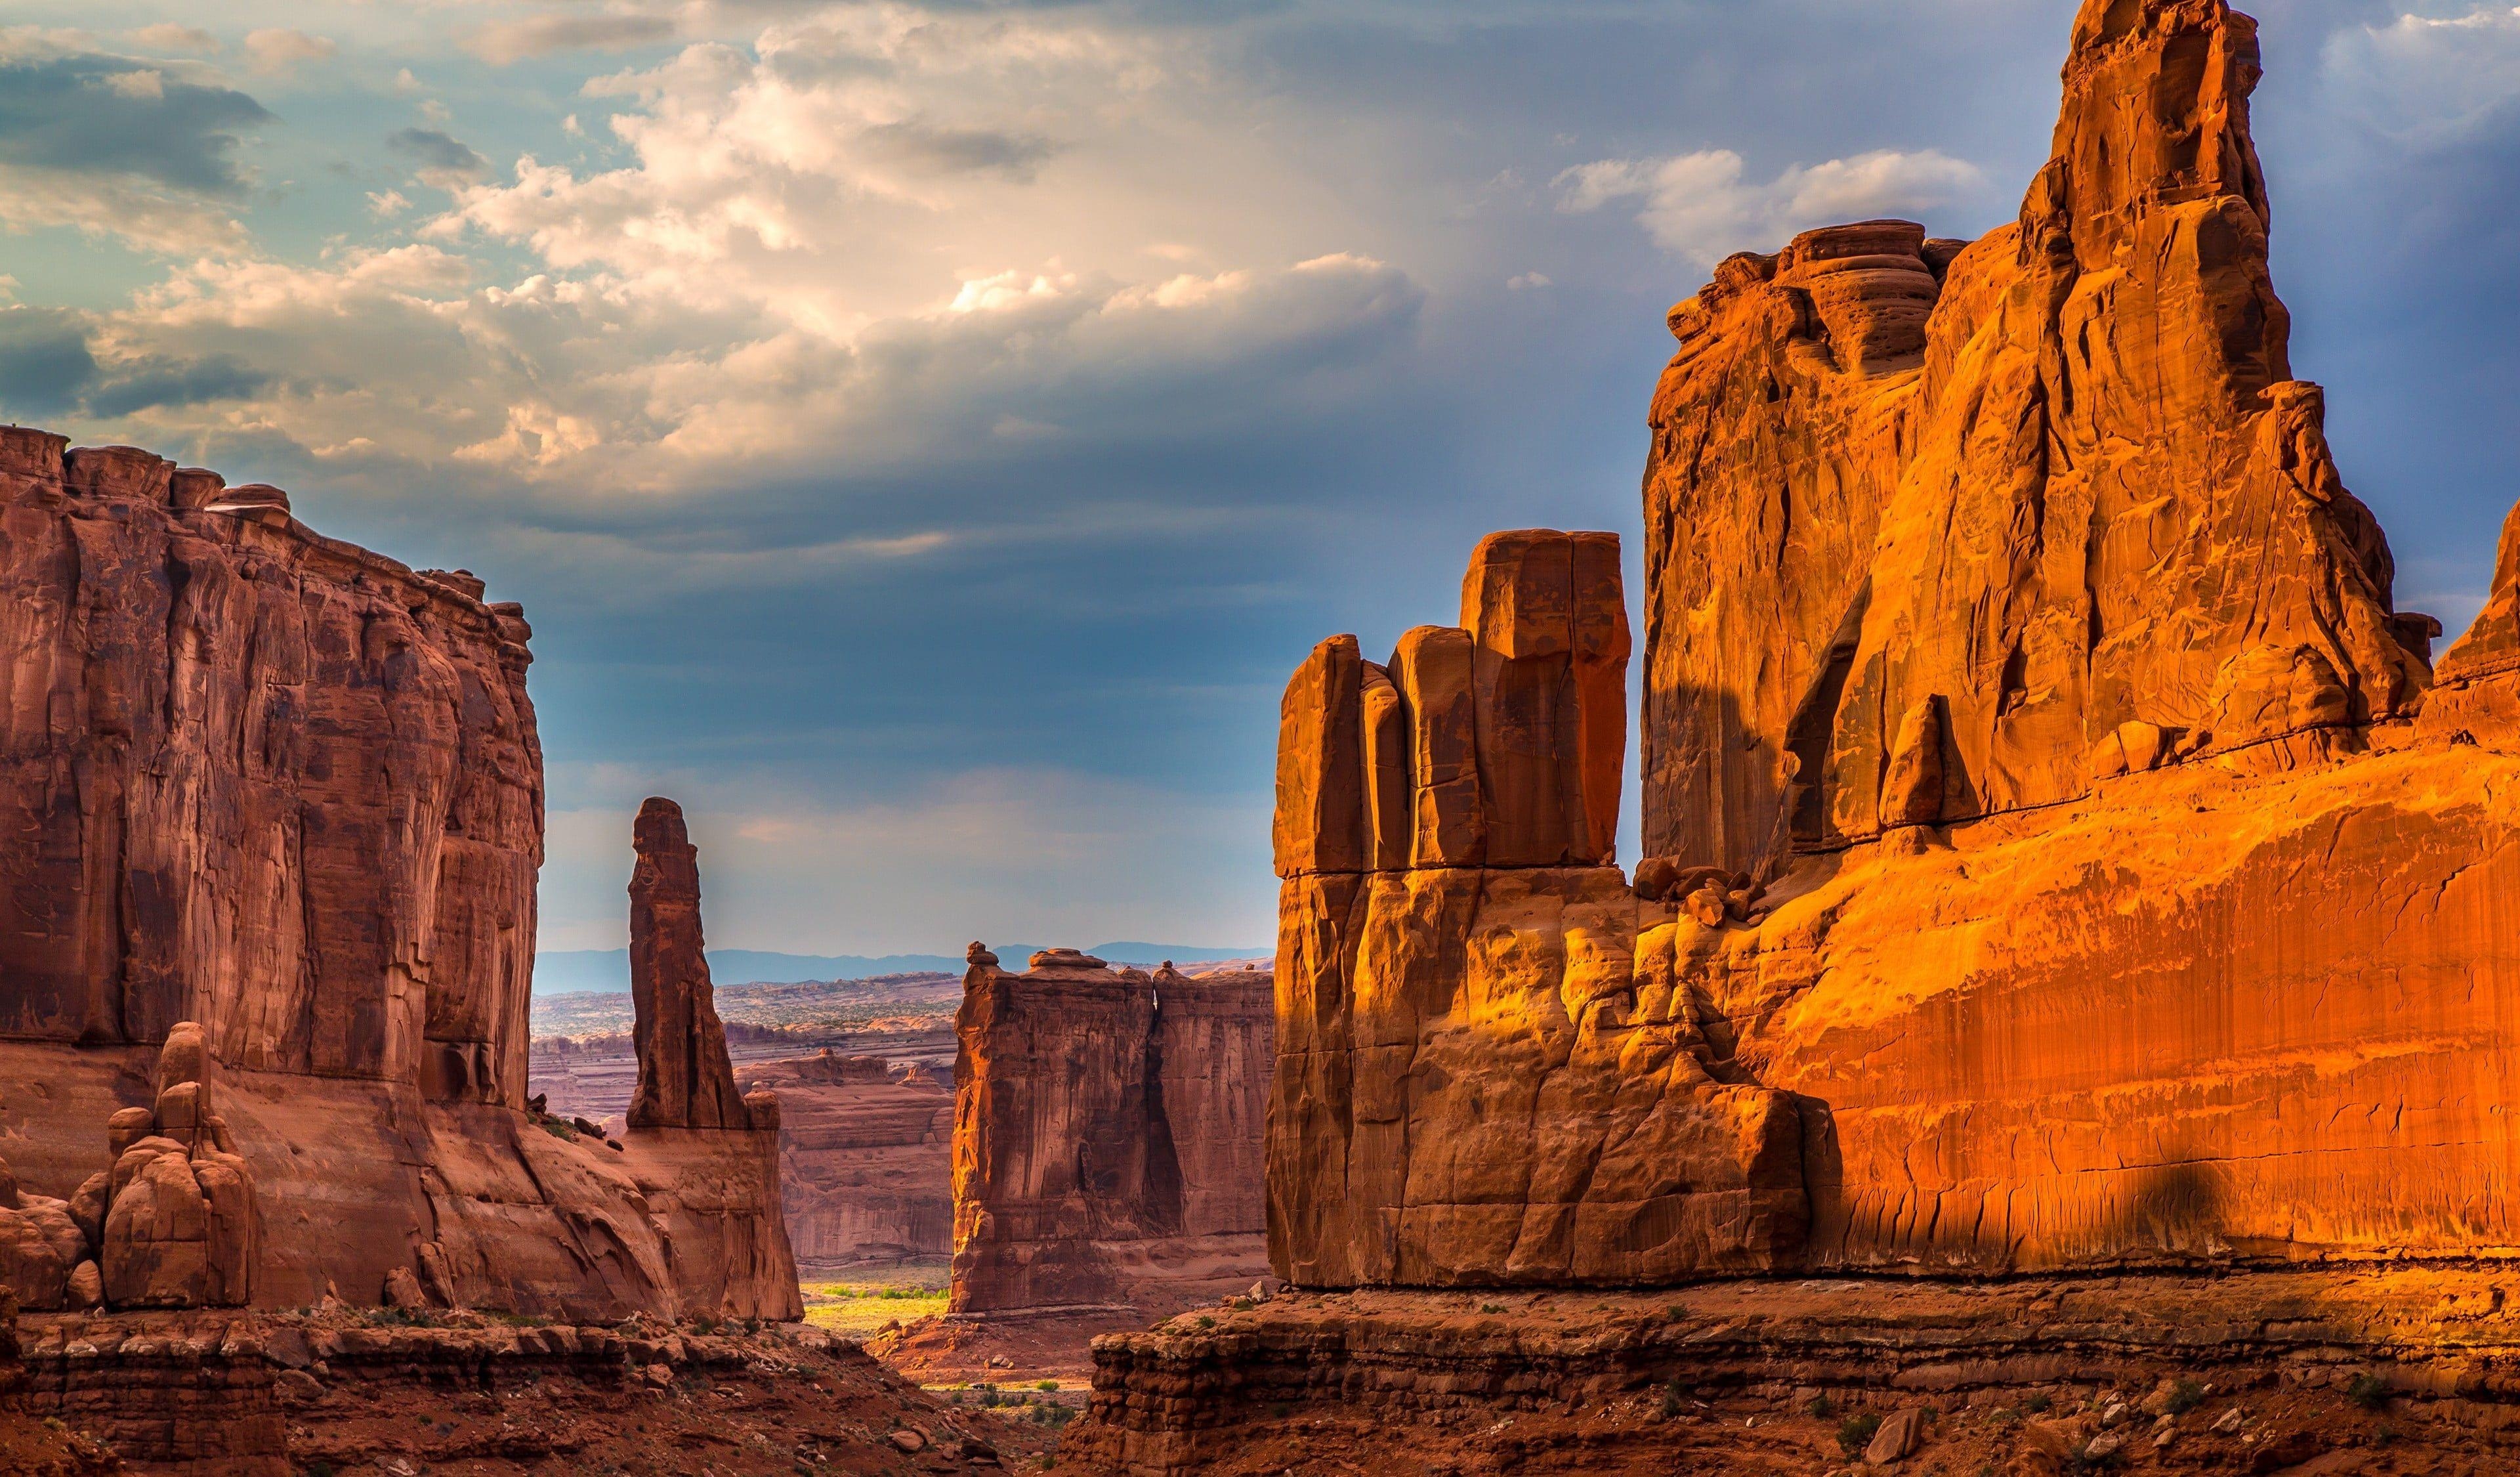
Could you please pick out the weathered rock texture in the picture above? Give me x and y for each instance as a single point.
(685, 1079)
(2057, 860)
(865, 1159)
(2055, 484)
(1460, 1093)
(288, 790)
(1758, 1379)
(1107, 1129)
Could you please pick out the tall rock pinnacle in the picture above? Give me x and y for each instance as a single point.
(2012, 496)
(684, 1079)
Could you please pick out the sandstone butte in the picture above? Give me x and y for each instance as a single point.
(275, 805)
(1107, 1129)
(2060, 852)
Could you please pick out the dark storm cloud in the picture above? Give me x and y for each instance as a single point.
(436, 151)
(44, 363)
(153, 385)
(963, 151)
(84, 114)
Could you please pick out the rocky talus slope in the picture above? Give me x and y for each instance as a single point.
(2061, 859)
(288, 791)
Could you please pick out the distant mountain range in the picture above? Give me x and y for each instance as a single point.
(604, 970)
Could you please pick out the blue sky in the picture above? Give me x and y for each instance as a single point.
(923, 435)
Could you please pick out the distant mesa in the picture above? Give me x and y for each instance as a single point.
(568, 971)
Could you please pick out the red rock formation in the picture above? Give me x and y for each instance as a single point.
(1107, 1134)
(289, 790)
(866, 1160)
(1416, 1141)
(2050, 868)
(685, 1079)
(2056, 483)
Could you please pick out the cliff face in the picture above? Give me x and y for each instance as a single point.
(261, 779)
(2015, 497)
(2056, 858)
(1459, 1093)
(291, 791)
(1107, 1133)
(866, 1160)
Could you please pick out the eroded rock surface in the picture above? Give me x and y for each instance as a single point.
(291, 791)
(1461, 1094)
(684, 1079)
(2058, 854)
(2055, 482)
(1107, 1134)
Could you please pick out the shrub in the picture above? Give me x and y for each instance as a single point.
(1205, 1321)
(1675, 1401)
(2369, 1391)
(2038, 1404)
(1855, 1433)
(1047, 1384)
(1820, 1406)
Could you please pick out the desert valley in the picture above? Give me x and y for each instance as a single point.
(2054, 1022)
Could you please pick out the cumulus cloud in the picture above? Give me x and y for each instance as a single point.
(278, 49)
(506, 42)
(117, 145)
(1701, 206)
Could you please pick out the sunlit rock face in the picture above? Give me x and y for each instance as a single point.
(2057, 855)
(1107, 1133)
(290, 792)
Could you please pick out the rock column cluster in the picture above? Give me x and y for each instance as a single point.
(173, 1223)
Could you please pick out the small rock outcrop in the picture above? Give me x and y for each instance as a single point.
(1107, 1134)
(685, 1079)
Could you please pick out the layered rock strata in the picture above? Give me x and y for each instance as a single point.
(1107, 1134)
(2416, 1369)
(2057, 858)
(291, 791)
(865, 1159)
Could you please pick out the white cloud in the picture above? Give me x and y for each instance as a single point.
(505, 42)
(2429, 79)
(168, 36)
(1699, 206)
(136, 211)
(842, 246)
(278, 49)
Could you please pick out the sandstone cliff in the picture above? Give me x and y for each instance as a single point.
(2056, 858)
(1108, 1134)
(289, 790)
(865, 1159)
